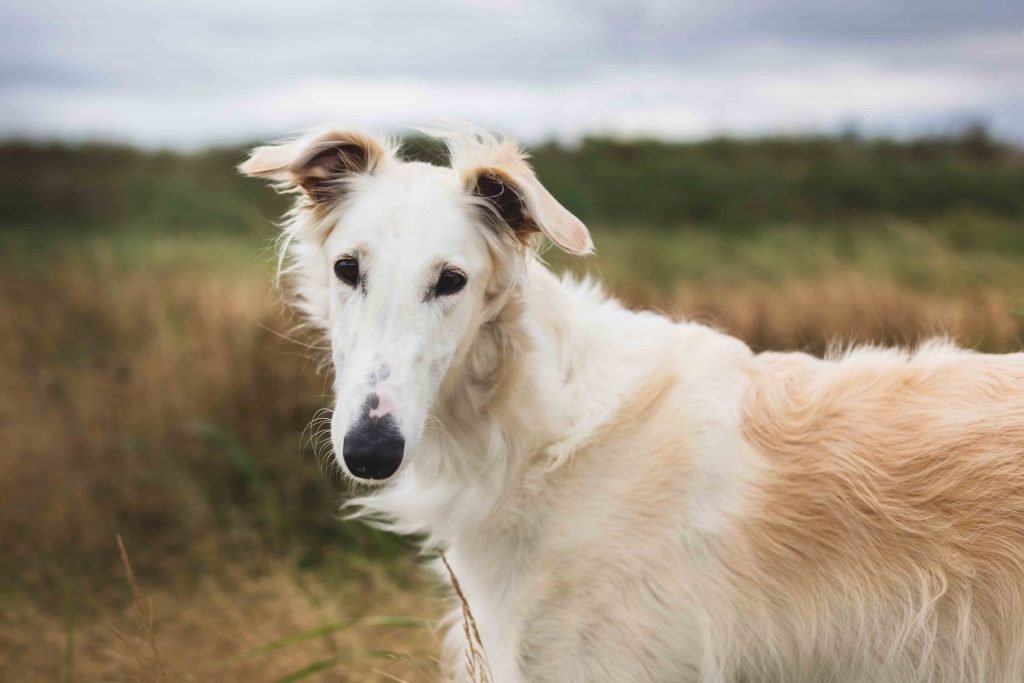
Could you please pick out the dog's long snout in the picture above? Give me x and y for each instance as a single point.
(374, 447)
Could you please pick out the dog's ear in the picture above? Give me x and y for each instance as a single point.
(496, 172)
(318, 164)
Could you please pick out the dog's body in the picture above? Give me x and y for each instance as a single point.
(624, 498)
(692, 511)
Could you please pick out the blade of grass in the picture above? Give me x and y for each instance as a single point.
(69, 631)
(317, 631)
(143, 618)
(477, 666)
(331, 662)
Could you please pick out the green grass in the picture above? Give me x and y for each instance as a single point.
(733, 185)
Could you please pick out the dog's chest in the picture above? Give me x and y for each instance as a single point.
(497, 594)
(586, 599)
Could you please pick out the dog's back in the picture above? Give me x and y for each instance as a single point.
(887, 534)
(785, 518)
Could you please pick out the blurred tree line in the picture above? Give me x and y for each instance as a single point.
(722, 183)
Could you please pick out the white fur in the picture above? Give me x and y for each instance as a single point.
(584, 467)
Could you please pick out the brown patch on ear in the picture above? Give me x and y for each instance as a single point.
(323, 170)
(506, 201)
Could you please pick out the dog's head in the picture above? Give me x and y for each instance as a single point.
(401, 263)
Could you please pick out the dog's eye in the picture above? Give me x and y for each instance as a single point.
(450, 282)
(347, 270)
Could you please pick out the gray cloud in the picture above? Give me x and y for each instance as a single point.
(647, 66)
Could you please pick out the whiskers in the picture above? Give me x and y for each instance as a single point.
(433, 423)
(317, 435)
(293, 340)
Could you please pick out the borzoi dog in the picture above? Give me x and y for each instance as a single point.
(628, 498)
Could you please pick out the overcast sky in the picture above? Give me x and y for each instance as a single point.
(192, 72)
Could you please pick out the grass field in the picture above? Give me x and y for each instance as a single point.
(152, 384)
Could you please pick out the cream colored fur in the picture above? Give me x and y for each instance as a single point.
(628, 498)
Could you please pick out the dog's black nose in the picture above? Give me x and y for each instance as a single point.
(373, 449)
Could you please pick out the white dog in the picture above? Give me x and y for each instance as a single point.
(627, 498)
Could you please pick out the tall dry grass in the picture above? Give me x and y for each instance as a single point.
(122, 389)
(237, 626)
(843, 309)
(154, 393)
